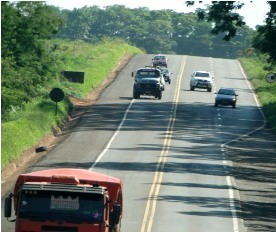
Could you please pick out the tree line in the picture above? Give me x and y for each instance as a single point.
(156, 31)
(29, 63)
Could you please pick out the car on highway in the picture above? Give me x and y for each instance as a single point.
(226, 96)
(201, 80)
(160, 60)
(166, 74)
(148, 81)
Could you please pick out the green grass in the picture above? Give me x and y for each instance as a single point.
(35, 123)
(38, 117)
(266, 92)
(96, 61)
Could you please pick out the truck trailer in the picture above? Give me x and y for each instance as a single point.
(66, 200)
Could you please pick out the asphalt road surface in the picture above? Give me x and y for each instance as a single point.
(170, 152)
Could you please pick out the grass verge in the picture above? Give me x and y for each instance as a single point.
(266, 92)
(38, 117)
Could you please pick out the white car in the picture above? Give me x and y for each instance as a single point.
(201, 80)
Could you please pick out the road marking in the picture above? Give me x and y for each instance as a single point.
(259, 107)
(231, 188)
(158, 176)
(113, 136)
(231, 180)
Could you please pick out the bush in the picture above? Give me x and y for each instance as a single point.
(256, 69)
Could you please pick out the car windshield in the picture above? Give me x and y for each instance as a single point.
(202, 74)
(159, 58)
(226, 92)
(165, 71)
(148, 74)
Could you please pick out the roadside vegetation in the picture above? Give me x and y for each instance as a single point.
(257, 69)
(25, 127)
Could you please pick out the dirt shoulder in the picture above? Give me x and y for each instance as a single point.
(13, 170)
(254, 168)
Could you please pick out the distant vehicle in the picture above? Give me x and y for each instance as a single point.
(148, 81)
(160, 60)
(66, 200)
(201, 80)
(226, 96)
(166, 74)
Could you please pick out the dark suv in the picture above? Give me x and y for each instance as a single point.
(166, 74)
(160, 60)
(148, 81)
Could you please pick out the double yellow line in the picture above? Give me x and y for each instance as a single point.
(158, 176)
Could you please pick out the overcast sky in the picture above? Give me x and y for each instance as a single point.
(254, 12)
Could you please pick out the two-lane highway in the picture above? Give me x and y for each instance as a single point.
(169, 152)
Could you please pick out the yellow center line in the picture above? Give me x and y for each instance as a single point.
(158, 176)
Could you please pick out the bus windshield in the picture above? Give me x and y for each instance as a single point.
(61, 206)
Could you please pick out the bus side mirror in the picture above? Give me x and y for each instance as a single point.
(116, 213)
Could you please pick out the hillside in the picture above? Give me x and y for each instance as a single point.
(37, 119)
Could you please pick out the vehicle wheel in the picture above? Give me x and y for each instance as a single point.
(169, 81)
(234, 105)
(136, 95)
(159, 95)
(209, 89)
(216, 104)
(117, 227)
(192, 88)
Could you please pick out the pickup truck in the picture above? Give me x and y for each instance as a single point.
(148, 81)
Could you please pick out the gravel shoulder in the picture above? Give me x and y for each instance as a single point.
(254, 168)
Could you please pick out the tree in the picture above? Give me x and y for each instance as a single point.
(26, 62)
(192, 37)
(227, 21)
(266, 37)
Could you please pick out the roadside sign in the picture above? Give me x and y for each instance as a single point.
(270, 77)
(56, 95)
(72, 76)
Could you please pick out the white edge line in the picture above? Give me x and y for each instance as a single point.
(113, 136)
(232, 183)
(259, 108)
(253, 92)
